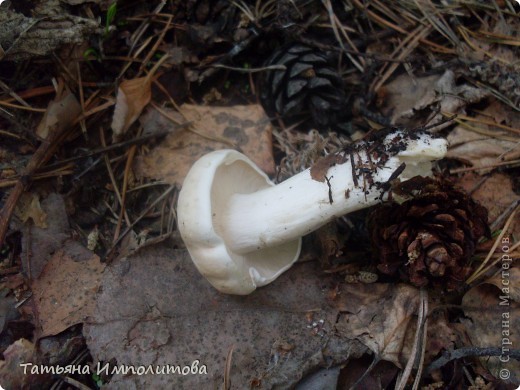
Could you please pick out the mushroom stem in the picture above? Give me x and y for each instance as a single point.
(308, 200)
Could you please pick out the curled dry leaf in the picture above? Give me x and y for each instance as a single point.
(28, 207)
(60, 114)
(492, 312)
(379, 316)
(132, 98)
(64, 294)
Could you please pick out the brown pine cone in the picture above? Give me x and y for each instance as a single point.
(309, 84)
(430, 238)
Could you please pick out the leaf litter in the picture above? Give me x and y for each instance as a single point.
(278, 335)
(245, 128)
(153, 307)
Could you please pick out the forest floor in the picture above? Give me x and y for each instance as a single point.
(105, 106)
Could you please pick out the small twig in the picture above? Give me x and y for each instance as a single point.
(112, 178)
(492, 166)
(249, 70)
(417, 348)
(424, 323)
(480, 270)
(463, 352)
(330, 188)
(12, 105)
(119, 145)
(62, 171)
(82, 122)
(399, 29)
(13, 94)
(227, 372)
(376, 360)
(499, 221)
(143, 214)
(128, 166)
(144, 26)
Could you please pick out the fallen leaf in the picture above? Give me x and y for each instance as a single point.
(321, 167)
(379, 316)
(60, 114)
(28, 207)
(64, 294)
(155, 308)
(132, 97)
(476, 149)
(407, 97)
(246, 127)
(12, 374)
(496, 194)
(493, 319)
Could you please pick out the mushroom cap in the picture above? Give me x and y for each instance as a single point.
(201, 210)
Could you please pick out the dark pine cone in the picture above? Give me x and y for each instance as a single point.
(430, 238)
(308, 84)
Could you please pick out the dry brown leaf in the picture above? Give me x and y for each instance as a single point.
(407, 97)
(64, 294)
(132, 97)
(379, 316)
(502, 114)
(493, 320)
(28, 207)
(61, 113)
(155, 308)
(511, 276)
(247, 127)
(12, 373)
(477, 149)
(496, 194)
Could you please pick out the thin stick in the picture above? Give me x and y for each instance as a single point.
(143, 214)
(478, 272)
(12, 105)
(502, 164)
(460, 353)
(129, 161)
(249, 70)
(112, 177)
(423, 343)
(227, 371)
(122, 144)
(13, 94)
(417, 340)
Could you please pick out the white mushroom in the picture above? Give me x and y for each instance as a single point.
(242, 231)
